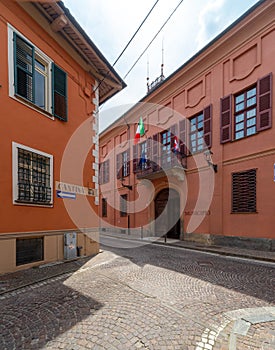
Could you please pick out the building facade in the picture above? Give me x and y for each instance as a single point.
(50, 73)
(204, 170)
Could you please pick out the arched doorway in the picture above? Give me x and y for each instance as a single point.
(169, 223)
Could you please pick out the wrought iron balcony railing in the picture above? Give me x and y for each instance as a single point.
(158, 167)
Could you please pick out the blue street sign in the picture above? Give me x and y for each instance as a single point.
(62, 194)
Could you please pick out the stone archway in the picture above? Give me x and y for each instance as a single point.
(169, 223)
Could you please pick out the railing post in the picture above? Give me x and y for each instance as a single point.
(141, 232)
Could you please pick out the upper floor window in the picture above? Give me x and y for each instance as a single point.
(252, 111)
(104, 172)
(34, 78)
(32, 176)
(143, 156)
(196, 133)
(245, 113)
(200, 130)
(123, 164)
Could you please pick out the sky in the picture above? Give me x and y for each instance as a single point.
(111, 23)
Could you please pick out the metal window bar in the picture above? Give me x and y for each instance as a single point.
(33, 177)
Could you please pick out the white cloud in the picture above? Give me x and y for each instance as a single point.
(209, 20)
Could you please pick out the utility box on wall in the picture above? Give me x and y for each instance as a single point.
(70, 245)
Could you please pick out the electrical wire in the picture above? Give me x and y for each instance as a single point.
(153, 39)
(129, 42)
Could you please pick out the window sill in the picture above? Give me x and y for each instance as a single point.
(33, 106)
(244, 212)
(33, 204)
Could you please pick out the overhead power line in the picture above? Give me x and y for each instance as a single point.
(153, 39)
(129, 42)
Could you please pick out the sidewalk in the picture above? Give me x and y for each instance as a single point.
(218, 249)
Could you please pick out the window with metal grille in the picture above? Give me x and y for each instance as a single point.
(123, 205)
(244, 192)
(104, 207)
(29, 250)
(31, 81)
(245, 113)
(104, 172)
(33, 176)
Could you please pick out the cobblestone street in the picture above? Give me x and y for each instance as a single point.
(151, 297)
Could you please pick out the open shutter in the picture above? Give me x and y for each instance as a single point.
(59, 93)
(226, 117)
(264, 101)
(207, 126)
(155, 152)
(107, 172)
(119, 165)
(149, 151)
(182, 137)
(173, 130)
(135, 158)
(128, 162)
(23, 68)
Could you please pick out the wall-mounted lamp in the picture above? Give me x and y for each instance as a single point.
(207, 155)
(130, 187)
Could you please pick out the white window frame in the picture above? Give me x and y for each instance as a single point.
(15, 147)
(42, 57)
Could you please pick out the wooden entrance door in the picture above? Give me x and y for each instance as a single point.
(169, 222)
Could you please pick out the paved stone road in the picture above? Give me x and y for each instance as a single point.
(151, 297)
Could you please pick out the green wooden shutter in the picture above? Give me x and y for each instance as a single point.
(23, 68)
(59, 79)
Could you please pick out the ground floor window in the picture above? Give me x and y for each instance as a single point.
(29, 250)
(244, 191)
(32, 176)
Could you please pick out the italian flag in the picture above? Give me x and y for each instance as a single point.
(140, 131)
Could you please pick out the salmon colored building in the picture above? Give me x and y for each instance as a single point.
(50, 92)
(204, 170)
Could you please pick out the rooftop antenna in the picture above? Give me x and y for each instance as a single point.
(162, 60)
(147, 73)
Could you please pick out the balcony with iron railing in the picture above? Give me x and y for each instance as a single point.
(168, 163)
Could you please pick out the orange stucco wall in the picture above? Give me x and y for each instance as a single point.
(24, 125)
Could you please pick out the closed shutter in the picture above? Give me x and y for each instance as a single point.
(207, 126)
(23, 68)
(226, 118)
(155, 152)
(149, 151)
(119, 165)
(59, 93)
(183, 137)
(135, 158)
(264, 101)
(244, 192)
